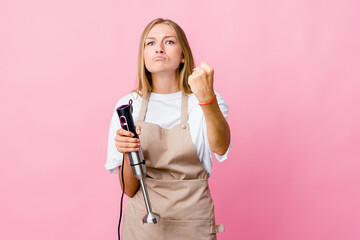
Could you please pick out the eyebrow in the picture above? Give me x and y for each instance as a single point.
(163, 38)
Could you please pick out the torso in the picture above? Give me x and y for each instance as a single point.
(177, 185)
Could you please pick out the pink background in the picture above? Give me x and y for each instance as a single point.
(289, 71)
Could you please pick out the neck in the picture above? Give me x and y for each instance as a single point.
(164, 83)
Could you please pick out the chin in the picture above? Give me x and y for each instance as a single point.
(161, 70)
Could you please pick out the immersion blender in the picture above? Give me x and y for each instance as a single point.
(137, 161)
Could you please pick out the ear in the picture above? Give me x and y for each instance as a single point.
(182, 58)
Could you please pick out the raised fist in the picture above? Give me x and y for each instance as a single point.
(201, 82)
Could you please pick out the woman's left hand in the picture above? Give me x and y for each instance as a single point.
(218, 131)
(201, 82)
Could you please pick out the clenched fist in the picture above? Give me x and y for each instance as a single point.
(201, 82)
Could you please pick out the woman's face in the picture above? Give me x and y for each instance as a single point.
(162, 51)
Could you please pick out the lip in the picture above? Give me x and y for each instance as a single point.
(159, 58)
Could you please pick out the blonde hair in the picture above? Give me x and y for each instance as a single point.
(184, 71)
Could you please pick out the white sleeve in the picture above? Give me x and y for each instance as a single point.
(114, 157)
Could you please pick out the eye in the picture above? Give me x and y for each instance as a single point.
(169, 41)
(150, 43)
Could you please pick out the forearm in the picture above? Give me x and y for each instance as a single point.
(131, 182)
(218, 131)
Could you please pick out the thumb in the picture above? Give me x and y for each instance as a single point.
(138, 129)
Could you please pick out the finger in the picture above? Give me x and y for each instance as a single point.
(120, 138)
(190, 80)
(127, 150)
(198, 71)
(127, 145)
(206, 67)
(138, 129)
(192, 76)
(123, 132)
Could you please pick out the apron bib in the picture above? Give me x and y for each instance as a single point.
(177, 184)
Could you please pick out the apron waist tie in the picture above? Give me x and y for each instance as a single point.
(217, 228)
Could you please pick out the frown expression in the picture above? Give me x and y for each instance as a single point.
(162, 51)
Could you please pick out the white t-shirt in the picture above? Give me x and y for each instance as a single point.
(165, 111)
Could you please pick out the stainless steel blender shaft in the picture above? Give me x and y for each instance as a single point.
(150, 217)
(139, 170)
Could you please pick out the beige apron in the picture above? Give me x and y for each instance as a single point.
(177, 184)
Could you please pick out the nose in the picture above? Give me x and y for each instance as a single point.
(159, 48)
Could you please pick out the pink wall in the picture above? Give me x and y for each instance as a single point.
(289, 71)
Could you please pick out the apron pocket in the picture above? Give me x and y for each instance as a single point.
(185, 229)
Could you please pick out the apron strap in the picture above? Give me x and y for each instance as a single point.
(184, 110)
(143, 108)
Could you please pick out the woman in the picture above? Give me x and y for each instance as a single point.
(180, 121)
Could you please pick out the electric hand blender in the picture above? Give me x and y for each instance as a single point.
(137, 161)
